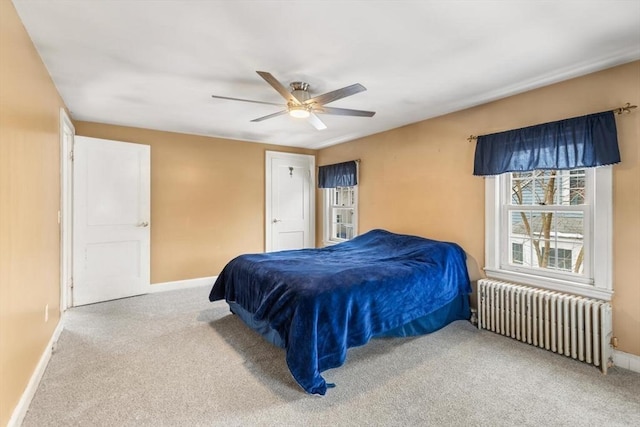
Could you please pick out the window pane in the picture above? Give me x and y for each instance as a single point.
(533, 188)
(342, 223)
(521, 188)
(517, 256)
(344, 196)
(547, 188)
(569, 225)
(545, 185)
(520, 221)
(571, 187)
(548, 239)
(576, 187)
(540, 225)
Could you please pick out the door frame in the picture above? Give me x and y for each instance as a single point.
(65, 214)
(311, 160)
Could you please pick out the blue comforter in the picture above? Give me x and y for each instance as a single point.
(323, 301)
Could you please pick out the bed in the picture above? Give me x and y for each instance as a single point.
(317, 303)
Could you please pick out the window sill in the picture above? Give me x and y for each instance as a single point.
(553, 284)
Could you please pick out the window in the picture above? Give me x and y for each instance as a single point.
(341, 213)
(541, 229)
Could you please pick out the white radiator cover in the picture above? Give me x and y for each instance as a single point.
(574, 326)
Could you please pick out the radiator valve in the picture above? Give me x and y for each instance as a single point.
(474, 317)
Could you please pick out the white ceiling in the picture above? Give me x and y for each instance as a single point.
(155, 64)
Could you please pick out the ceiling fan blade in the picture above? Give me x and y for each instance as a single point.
(245, 100)
(344, 112)
(336, 94)
(279, 113)
(316, 122)
(279, 87)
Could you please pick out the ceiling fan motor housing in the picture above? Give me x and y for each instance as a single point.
(300, 90)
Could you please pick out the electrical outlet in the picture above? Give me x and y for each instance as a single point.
(46, 313)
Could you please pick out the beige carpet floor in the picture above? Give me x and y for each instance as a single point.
(175, 359)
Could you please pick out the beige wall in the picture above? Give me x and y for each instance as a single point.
(418, 179)
(207, 198)
(29, 203)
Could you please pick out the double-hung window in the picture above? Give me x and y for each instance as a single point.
(341, 214)
(340, 186)
(548, 204)
(551, 228)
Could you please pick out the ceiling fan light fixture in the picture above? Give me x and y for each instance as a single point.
(299, 112)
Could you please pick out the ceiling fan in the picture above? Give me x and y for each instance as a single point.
(300, 104)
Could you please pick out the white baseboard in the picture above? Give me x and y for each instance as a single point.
(21, 408)
(182, 284)
(626, 360)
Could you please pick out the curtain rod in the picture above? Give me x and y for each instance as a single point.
(625, 109)
(356, 160)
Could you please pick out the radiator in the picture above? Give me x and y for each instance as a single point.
(566, 324)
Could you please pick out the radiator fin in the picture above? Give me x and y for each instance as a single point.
(574, 326)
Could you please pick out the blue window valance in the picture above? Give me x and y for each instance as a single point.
(338, 175)
(579, 142)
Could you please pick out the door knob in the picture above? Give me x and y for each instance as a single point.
(276, 220)
(143, 224)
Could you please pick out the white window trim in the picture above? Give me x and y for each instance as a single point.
(601, 250)
(327, 241)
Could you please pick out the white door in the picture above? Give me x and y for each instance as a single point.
(290, 201)
(111, 220)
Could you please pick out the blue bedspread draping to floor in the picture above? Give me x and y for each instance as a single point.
(321, 302)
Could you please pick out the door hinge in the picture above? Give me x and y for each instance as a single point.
(71, 283)
(71, 155)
